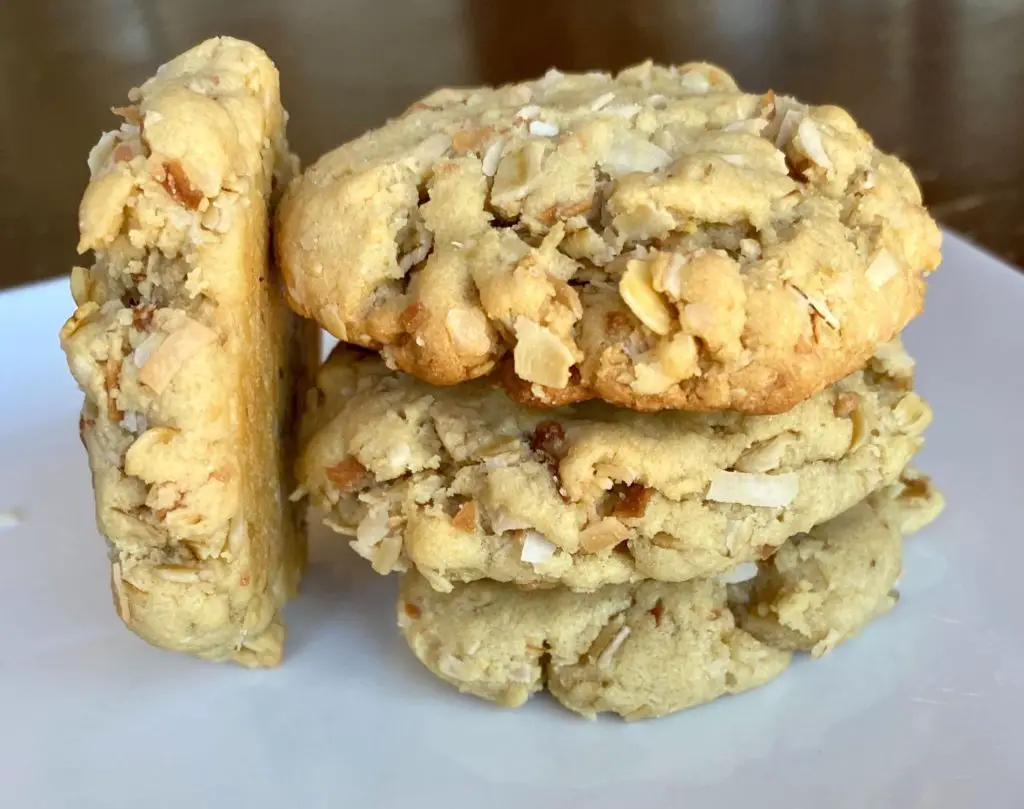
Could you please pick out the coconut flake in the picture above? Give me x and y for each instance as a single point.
(695, 82)
(373, 527)
(145, 349)
(604, 660)
(134, 422)
(528, 113)
(752, 126)
(9, 519)
(742, 572)
(810, 140)
(492, 157)
(602, 101)
(537, 548)
(432, 148)
(632, 153)
(543, 129)
(754, 489)
(737, 532)
(819, 306)
(788, 126)
(418, 253)
(883, 267)
(623, 110)
(173, 352)
(502, 523)
(551, 78)
(398, 456)
(100, 153)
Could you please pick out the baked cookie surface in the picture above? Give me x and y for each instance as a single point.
(190, 360)
(657, 239)
(821, 588)
(464, 484)
(639, 651)
(654, 648)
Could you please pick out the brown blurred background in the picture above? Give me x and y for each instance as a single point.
(940, 82)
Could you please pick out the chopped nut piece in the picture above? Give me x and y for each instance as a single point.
(632, 500)
(539, 356)
(177, 184)
(637, 289)
(845, 404)
(168, 357)
(912, 414)
(766, 456)
(603, 535)
(465, 518)
(651, 378)
(346, 474)
(111, 377)
(469, 331)
(548, 441)
(81, 285)
(678, 356)
(121, 602)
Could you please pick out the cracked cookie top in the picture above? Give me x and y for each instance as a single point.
(657, 239)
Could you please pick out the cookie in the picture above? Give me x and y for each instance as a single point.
(821, 588)
(654, 648)
(658, 239)
(639, 651)
(191, 362)
(464, 484)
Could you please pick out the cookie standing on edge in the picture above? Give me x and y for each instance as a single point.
(651, 649)
(464, 484)
(192, 365)
(657, 239)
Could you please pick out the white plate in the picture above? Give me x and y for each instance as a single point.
(923, 710)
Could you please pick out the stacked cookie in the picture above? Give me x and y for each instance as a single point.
(638, 420)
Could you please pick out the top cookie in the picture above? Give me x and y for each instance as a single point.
(658, 239)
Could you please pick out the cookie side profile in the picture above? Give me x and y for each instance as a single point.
(193, 367)
(639, 651)
(464, 484)
(654, 648)
(657, 239)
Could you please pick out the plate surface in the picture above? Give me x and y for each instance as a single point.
(923, 710)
